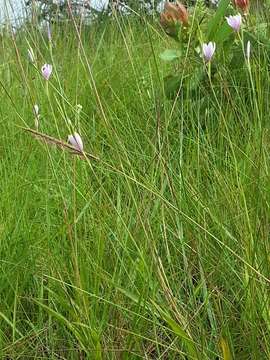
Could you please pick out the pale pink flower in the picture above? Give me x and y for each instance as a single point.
(208, 50)
(46, 71)
(234, 22)
(76, 141)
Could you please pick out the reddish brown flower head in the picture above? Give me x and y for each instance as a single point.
(175, 12)
(242, 4)
(166, 19)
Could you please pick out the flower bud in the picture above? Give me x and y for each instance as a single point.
(242, 4)
(31, 55)
(49, 33)
(36, 110)
(248, 50)
(37, 116)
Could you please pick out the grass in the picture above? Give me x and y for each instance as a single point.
(159, 249)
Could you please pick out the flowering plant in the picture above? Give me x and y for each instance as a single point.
(211, 42)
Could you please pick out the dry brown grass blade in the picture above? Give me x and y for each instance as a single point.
(59, 143)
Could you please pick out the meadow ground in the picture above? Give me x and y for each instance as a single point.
(160, 248)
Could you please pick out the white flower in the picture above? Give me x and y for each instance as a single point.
(76, 141)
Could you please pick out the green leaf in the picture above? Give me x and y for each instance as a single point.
(196, 78)
(4, 317)
(178, 330)
(215, 22)
(154, 308)
(223, 34)
(172, 85)
(170, 55)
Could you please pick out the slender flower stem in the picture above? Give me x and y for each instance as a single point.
(47, 89)
(209, 70)
(241, 38)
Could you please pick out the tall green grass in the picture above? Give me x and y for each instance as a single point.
(159, 249)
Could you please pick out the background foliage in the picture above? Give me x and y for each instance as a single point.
(158, 250)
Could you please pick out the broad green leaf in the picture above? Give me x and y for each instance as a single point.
(172, 85)
(196, 78)
(170, 55)
(177, 329)
(215, 21)
(223, 34)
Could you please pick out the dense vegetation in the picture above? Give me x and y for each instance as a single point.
(157, 249)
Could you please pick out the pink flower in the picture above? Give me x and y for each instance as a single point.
(208, 51)
(46, 71)
(76, 141)
(234, 22)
